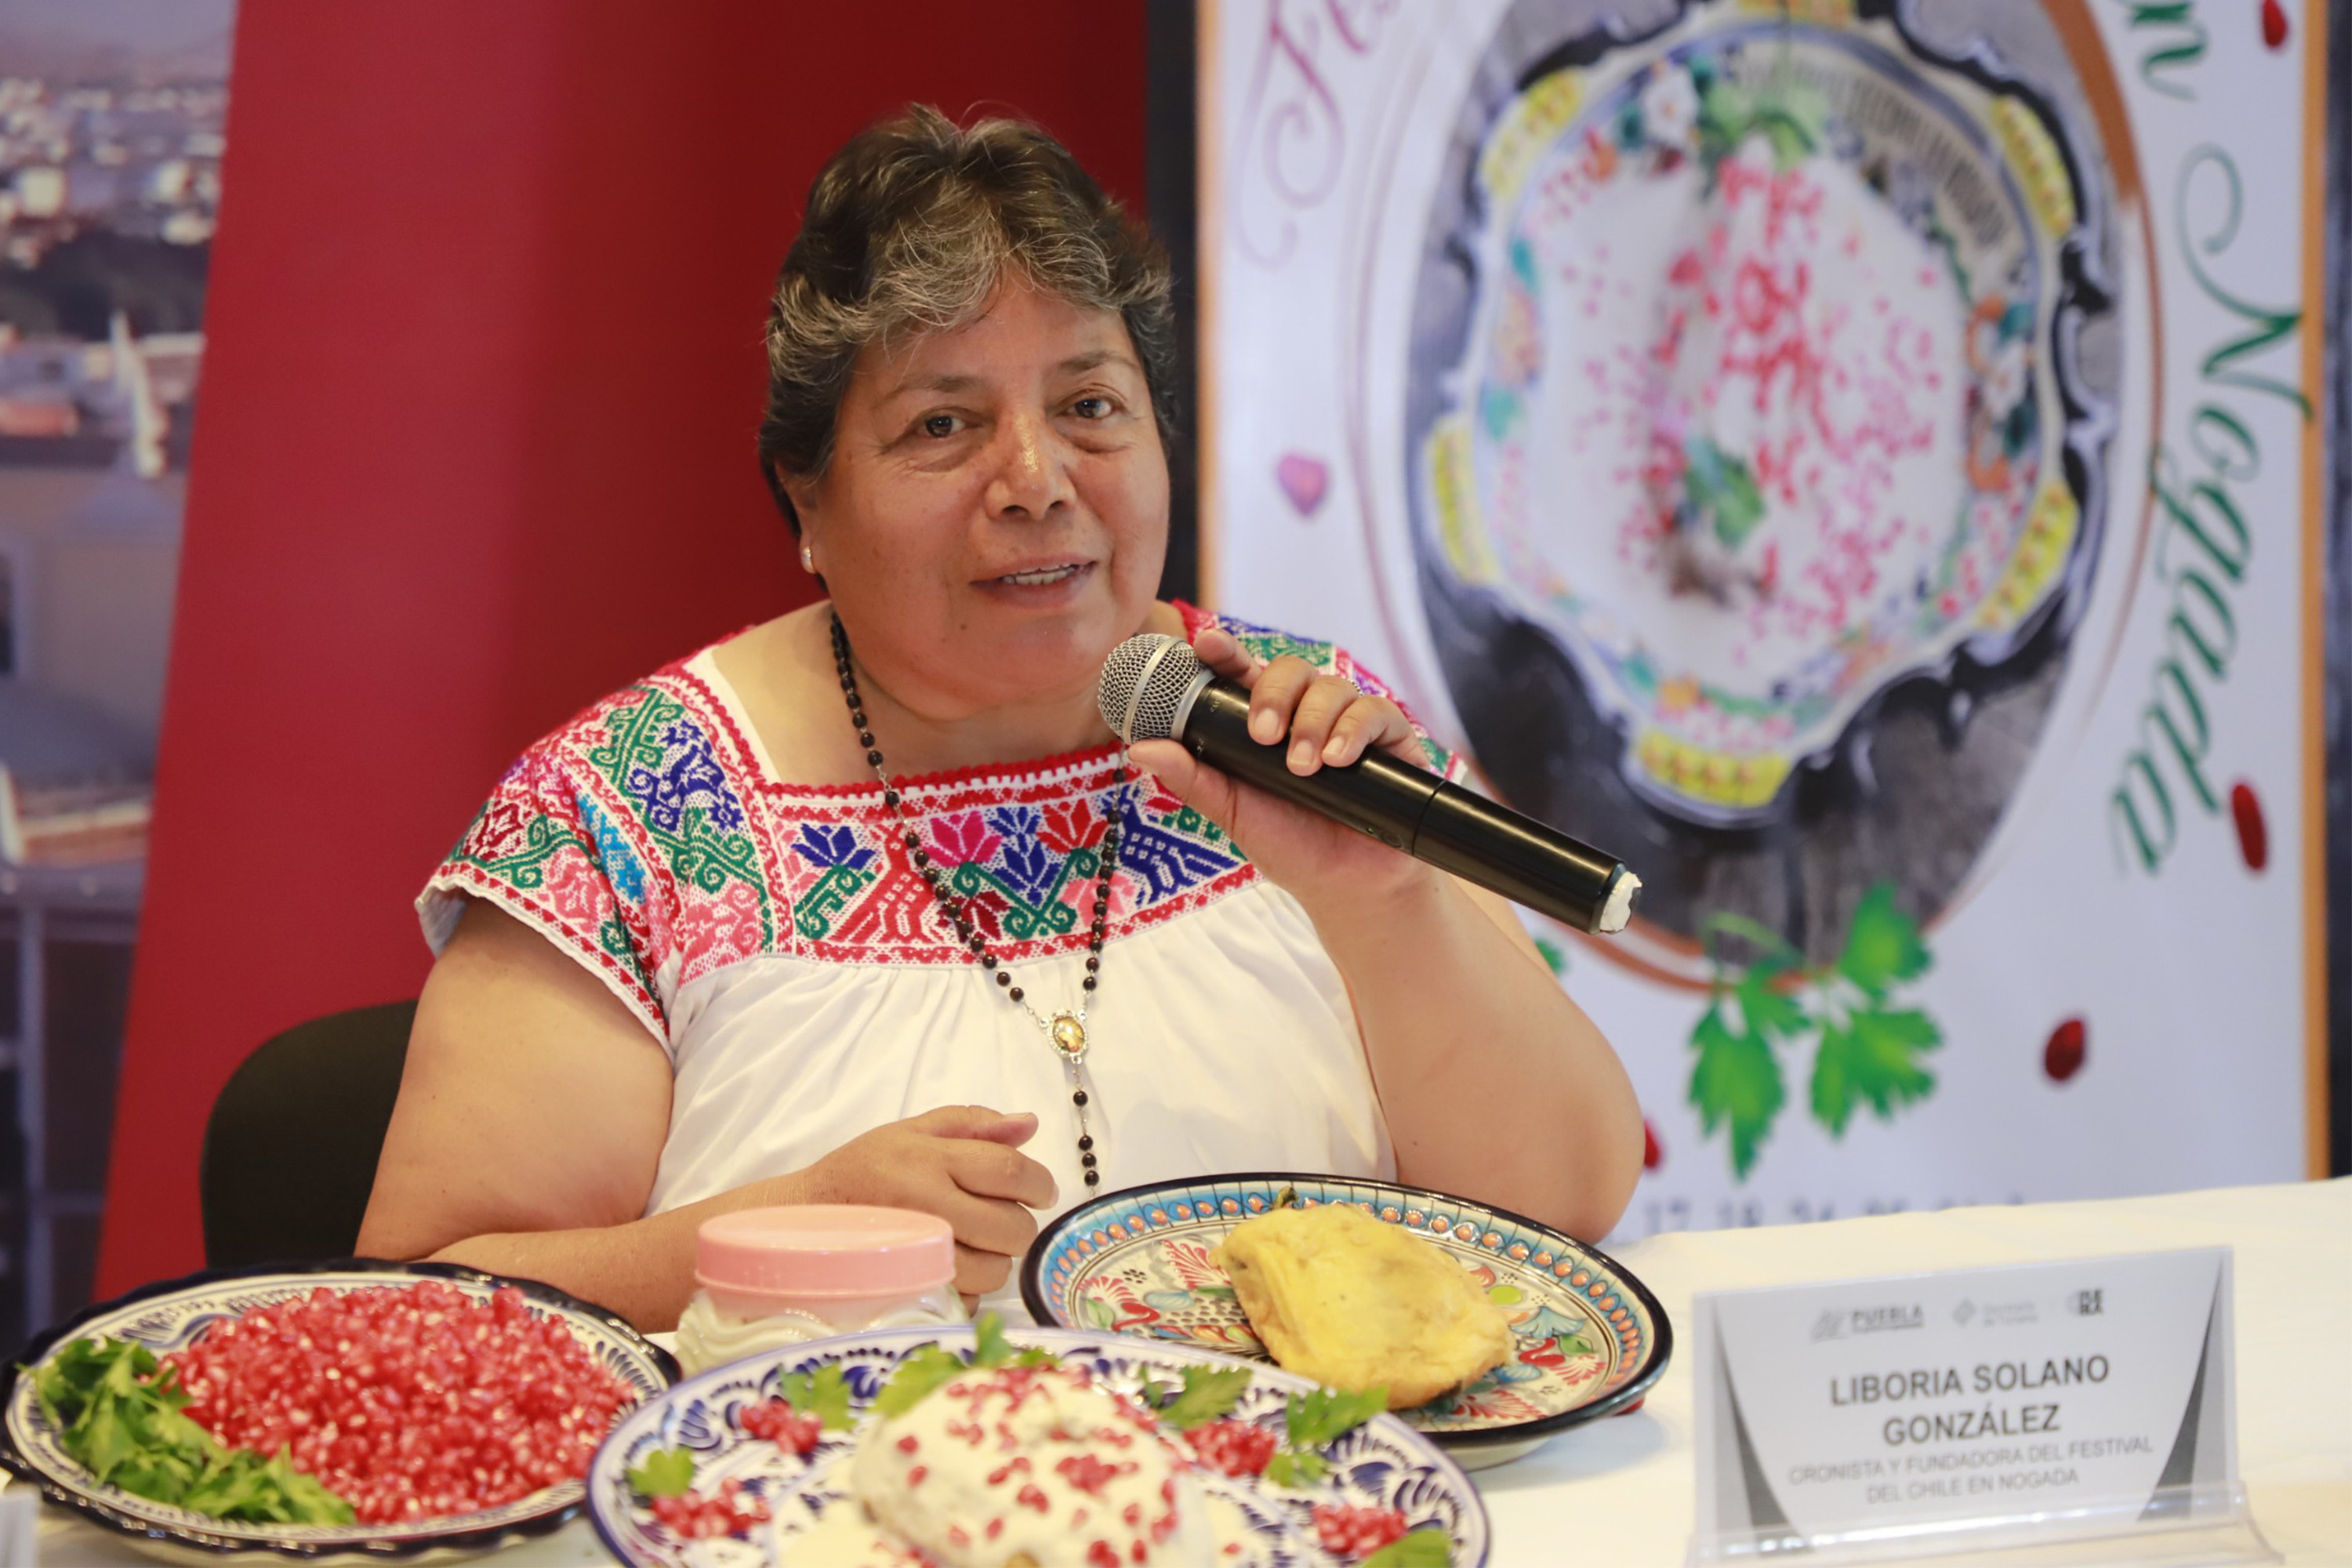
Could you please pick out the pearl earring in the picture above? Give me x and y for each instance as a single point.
(808, 558)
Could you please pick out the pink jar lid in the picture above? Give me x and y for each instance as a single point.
(824, 1252)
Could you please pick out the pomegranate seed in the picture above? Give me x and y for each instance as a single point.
(702, 1516)
(1354, 1533)
(407, 1401)
(776, 1420)
(1233, 1447)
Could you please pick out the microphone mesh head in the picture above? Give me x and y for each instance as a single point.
(1144, 684)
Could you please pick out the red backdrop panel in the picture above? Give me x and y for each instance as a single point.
(476, 448)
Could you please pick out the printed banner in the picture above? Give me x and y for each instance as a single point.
(1857, 463)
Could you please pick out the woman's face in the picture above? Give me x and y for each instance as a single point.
(995, 514)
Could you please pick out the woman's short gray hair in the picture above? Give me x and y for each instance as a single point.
(912, 227)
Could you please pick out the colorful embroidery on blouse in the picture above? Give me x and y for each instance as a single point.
(1266, 643)
(646, 839)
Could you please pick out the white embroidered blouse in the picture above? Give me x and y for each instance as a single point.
(778, 944)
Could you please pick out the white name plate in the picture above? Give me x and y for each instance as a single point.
(1975, 1409)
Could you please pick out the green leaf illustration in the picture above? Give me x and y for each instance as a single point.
(1792, 135)
(1736, 1082)
(1789, 116)
(1872, 1056)
(1868, 1050)
(1723, 491)
(1770, 1012)
(1882, 945)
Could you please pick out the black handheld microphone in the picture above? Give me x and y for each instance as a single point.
(1155, 688)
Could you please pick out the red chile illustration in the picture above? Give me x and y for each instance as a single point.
(2062, 1058)
(2253, 833)
(2273, 24)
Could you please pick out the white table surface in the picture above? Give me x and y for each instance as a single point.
(1618, 1494)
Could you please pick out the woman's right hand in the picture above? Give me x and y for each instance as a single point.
(529, 1129)
(961, 1162)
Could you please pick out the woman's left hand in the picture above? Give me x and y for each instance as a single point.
(1323, 721)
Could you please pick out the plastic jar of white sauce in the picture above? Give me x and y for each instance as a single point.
(778, 1277)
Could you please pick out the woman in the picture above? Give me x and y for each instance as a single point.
(869, 874)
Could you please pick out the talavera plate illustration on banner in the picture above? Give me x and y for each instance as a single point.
(1256, 1525)
(1764, 400)
(1592, 1337)
(167, 1317)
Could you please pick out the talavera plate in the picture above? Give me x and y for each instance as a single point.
(1382, 1463)
(1592, 1337)
(169, 1316)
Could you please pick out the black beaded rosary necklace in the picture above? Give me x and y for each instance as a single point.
(1066, 1030)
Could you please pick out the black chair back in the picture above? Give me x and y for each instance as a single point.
(291, 1146)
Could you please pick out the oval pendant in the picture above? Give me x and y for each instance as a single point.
(1068, 1034)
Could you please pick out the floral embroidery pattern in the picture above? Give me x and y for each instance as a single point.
(644, 839)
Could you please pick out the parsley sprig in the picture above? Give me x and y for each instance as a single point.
(1207, 1392)
(1420, 1548)
(667, 1472)
(921, 1370)
(824, 1394)
(1311, 1422)
(927, 1366)
(120, 1413)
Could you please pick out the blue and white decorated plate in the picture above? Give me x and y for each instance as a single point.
(1382, 1463)
(1591, 1337)
(168, 1316)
